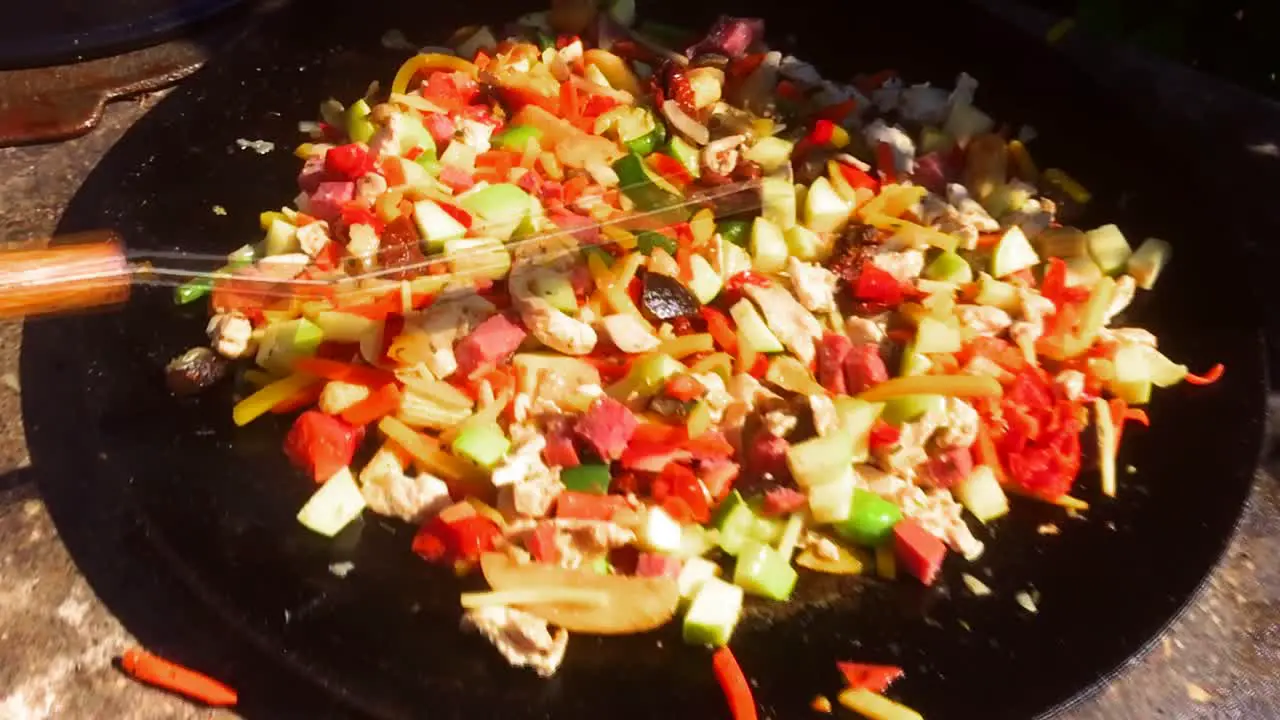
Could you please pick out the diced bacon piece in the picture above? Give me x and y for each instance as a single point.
(657, 565)
(488, 346)
(833, 349)
(530, 182)
(919, 552)
(584, 229)
(542, 543)
(312, 174)
(783, 501)
(768, 454)
(329, 197)
(560, 451)
(949, 467)
(931, 172)
(864, 368)
(607, 426)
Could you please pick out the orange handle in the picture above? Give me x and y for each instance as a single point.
(82, 271)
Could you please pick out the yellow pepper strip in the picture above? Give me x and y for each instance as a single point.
(875, 706)
(266, 218)
(791, 375)
(624, 239)
(839, 137)
(1093, 318)
(702, 226)
(842, 186)
(912, 233)
(894, 200)
(951, 385)
(428, 455)
(721, 363)
(1063, 501)
(687, 345)
(1022, 161)
(426, 63)
(1068, 184)
(601, 275)
(259, 378)
(263, 400)
(627, 270)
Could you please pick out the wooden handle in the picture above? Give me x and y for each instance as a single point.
(82, 271)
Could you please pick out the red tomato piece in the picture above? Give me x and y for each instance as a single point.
(321, 444)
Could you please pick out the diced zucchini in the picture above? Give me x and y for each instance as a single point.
(1013, 253)
(806, 244)
(660, 532)
(770, 153)
(459, 155)
(1062, 242)
(1146, 263)
(334, 505)
(713, 614)
(500, 208)
(996, 293)
(981, 494)
(435, 225)
(762, 570)
(556, 289)
(483, 443)
(768, 247)
(824, 209)
(831, 501)
(857, 417)
(1132, 382)
(1082, 271)
(935, 336)
(1109, 248)
(949, 267)
(685, 154)
(778, 201)
(284, 342)
(753, 328)
(281, 239)
(705, 283)
(695, 572)
(912, 407)
(821, 460)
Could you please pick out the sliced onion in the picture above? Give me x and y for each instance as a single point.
(622, 96)
(684, 124)
(602, 173)
(415, 102)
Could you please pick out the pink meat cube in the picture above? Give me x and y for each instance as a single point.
(931, 172)
(657, 565)
(488, 346)
(864, 368)
(949, 467)
(768, 454)
(783, 501)
(832, 351)
(607, 426)
(329, 197)
(312, 174)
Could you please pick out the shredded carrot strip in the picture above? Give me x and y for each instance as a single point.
(160, 672)
(736, 690)
(1209, 378)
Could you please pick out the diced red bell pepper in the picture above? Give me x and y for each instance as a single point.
(710, 445)
(876, 678)
(657, 565)
(587, 506)
(669, 168)
(330, 256)
(877, 285)
(598, 105)
(542, 543)
(721, 329)
(458, 179)
(883, 435)
(440, 127)
(349, 161)
(919, 552)
(823, 131)
(684, 388)
(463, 539)
(864, 368)
(560, 452)
(885, 162)
(321, 444)
(858, 178)
(383, 401)
(354, 214)
(678, 509)
(684, 484)
(783, 501)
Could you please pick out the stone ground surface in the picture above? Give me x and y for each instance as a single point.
(57, 639)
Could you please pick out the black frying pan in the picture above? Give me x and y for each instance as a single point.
(218, 502)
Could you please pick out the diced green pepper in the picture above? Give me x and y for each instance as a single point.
(762, 570)
(686, 155)
(483, 443)
(192, 290)
(517, 137)
(871, 519)
(737, 232)
(647, 240)
(359, 127)
(713, 613)
(598, 252)
(589, 478)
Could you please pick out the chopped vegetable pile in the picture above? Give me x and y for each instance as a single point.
(619, 426)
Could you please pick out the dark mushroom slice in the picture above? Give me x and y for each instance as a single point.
(663, 298)
(194, 370)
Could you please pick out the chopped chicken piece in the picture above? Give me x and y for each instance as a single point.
(1070, 383)
(363, 245)
(717, 396)
(369, 187)
(387, 140)
(814, 285)
(1126, 289)
(445, 322)
(582, 542)
(825, 418)
(970, 211)
(904, 150)
(284, 267)
(1025, 334)
(924, 104)
(1128, 336)
(475, 134)
(983, 319)
(795, 326)
(909, 452)
(779, 423)
(231, 334)
(959, 427)
(865, 331)
(442, 362)
(1034, 217)
(388, 491)
(526, 485)
(905, 265)
(822, 546)
(629, 333)
(1035, 307)
(979, 365)
(936, 511)
(337, 396)
(525, 640)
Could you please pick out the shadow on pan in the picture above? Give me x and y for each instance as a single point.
(146, 488)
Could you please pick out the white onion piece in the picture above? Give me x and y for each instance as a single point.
(684, 124)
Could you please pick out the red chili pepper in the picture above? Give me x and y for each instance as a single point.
(742, 706)
(721, 329)
(884, 435)
(462, 216)
(330, 256)
(349, 161)
(877, 285)
(885, 162)
(876, 678)
(669, 168)
(1209, 378)
(823, 131)
(157, 671)
(684, 388)
(858, 178)
(839, 111)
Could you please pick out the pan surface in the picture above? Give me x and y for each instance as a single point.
(220, 501)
